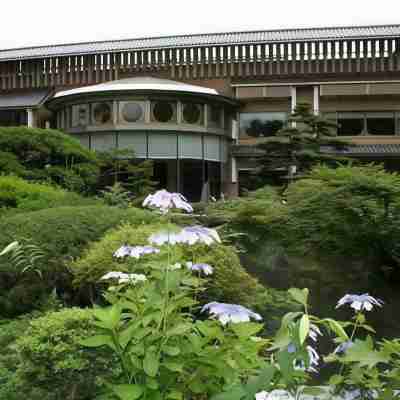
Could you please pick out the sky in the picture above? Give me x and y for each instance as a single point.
(27, 23)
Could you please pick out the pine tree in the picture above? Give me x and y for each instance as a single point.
(296, 148)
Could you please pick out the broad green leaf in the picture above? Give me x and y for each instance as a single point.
(282, 339)
(171, 350)
(299, 295)
(173, 366)
(363, 352)
(175, 395)
(285, 361)
(151, 363)
(109, 316)
(336, 380)
(246, 329)
(304, 328)
(261, 382)
(289, 317)
(235, 393)
(314, 391)
(127, 392)
(179, 329)
(96, 341)
(152, 383)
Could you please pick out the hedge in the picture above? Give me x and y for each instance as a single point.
(21, 195)
(61, 233)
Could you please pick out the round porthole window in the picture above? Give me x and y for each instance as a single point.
(102, 113)
(163, 111)
(132, 112)
(191, 113)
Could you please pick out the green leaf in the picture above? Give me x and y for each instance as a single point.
(235, 393)
(363, 353)
(246, 329)
(173, 366)
(171, 350)
(179, 329)
(109, 316)
(175, 395)
(96, 341)
(151, 363)
(304, 328)
(299, 295)
(127, 392)
(282, 339)
(336, 380)
(337, 328)
(261, 382)
(12, 246)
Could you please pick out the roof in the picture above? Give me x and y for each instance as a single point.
(139, 84)
(375, 149)
(208, 39)
(25, 99)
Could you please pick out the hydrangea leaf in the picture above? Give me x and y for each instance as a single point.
(127, 392)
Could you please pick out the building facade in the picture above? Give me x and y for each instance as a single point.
(197, 104)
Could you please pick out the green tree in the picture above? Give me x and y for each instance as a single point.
(296, 148)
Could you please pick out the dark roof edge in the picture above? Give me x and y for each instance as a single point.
(60, 45)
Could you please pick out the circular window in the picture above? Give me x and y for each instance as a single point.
(163, 111)
(191, 113)
(132, 112)
(102, 113)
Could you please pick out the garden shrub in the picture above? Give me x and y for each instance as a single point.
(22, 195)
(51, 364)
(61, 233)
(230, 283)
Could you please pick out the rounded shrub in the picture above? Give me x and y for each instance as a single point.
(229, 283)
(53, 364)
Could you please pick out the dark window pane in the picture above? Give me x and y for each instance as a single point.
(163, 111)
(214, 116)
(262, 124)
(102, 113)
(192, 113)
(377, 125)
(350, 126)
(13, 117)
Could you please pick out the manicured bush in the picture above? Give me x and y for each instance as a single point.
(230, 282)
(50, 364)
(16, 193)
(61, 233)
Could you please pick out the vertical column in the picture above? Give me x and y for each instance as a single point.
(316, 100)
(30, 119)
(293, 98)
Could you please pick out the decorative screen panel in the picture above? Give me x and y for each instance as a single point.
(212, 148)
(103, 141)
(162, 145)
(136, 141)
(190, 146)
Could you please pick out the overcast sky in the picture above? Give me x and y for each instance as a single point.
(30, 23)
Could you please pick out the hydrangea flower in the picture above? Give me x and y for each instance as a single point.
(343, 347)
(165, 200)
(198, 234)
(201, 267)
(263, 395)
(135, 251)
(161, 238)
(360, 302)
(123, 277)
(312, 355)
(230, 312)
(314, 332)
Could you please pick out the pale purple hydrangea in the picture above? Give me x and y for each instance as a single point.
(165, 201)
(135, 251)
(264, 395)
(343, 347)
(189, 235)
(314, 332)
(230, 312)
(122, 277)
(200, 267)
(199, 234)
(360, 302)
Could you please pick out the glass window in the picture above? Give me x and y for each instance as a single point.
(350, 124)
(102, 113)
(262, 124)
(13, 117)
(164, 111)
(192, 113)
(132, 112)
(381, 123)
(80, 115)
